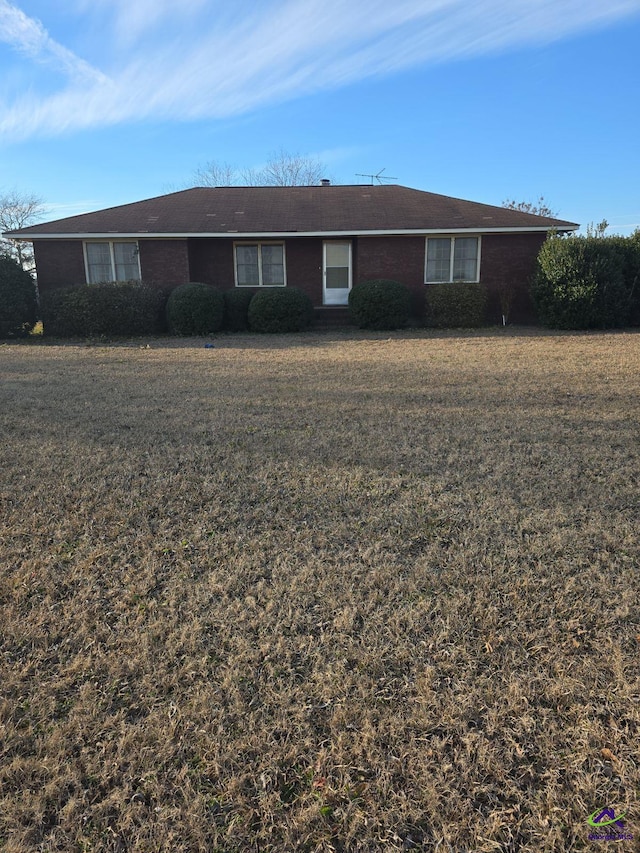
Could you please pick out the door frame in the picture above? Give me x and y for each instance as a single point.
(341, 291)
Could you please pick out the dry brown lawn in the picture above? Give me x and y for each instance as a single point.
(331, 592)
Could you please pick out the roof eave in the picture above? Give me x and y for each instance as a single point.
(242, 235)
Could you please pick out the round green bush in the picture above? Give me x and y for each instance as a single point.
(379, 304)
(18, 300)
(280, 309)
(194, 309)
(236, 309)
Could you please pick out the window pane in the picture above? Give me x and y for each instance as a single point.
(438, 258)
(248, 275)
(438, 271)
(464, 271)
(247, 265)
(338, 277)
(439, 248)
(272, 274)
(126, 257)
(98, 253)
(271, 254)
(466, 247)
(465, 259)
(272, 264)
(99, 272)
(247, 254)
(337, 254)
(127, 272)
(125, 253)
(98, 262)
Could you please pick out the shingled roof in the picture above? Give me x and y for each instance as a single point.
(321, 210)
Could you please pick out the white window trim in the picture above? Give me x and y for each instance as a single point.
(111, 255)
(453, 239)
(259, 244)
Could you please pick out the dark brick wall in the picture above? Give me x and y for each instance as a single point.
(304, 266)
(398, 258)
(60, 263)
(164, 262)
(508, 261)
(211, 261)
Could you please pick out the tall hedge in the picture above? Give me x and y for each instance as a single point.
(588, 282)
(109, 309)
(18, 301)
(630, 247)
(381, 303)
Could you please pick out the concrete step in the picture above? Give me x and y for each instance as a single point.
(332, 315)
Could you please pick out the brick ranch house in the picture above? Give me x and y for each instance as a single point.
(321, 239)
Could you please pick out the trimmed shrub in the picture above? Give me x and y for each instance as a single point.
(194, 309)
(110, 309)
(587, 282)
(236, 309)
(280, 309)
(456, 304)
(379, 304)
(18, 301)
(67, 312)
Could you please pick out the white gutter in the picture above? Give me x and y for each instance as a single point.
(254, 235)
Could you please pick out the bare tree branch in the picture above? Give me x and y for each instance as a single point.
(286, 169)
(18, 210)
(215, 174)
(283, 169)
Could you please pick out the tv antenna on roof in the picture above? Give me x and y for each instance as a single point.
(380, 178)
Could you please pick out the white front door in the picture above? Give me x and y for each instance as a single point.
(336, 272)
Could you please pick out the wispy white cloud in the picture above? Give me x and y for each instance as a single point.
(133, 18)
(29, 37)
(222, 60)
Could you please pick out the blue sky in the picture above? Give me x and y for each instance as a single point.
(103, 102)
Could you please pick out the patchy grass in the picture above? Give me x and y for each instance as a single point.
(331, 592)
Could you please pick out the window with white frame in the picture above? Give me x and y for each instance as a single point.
(109, 260)
(260, 265)
(452, 259)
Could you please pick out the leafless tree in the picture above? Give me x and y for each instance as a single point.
(539, 207)
(18, 210)
(215, 174)
(283, 169)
